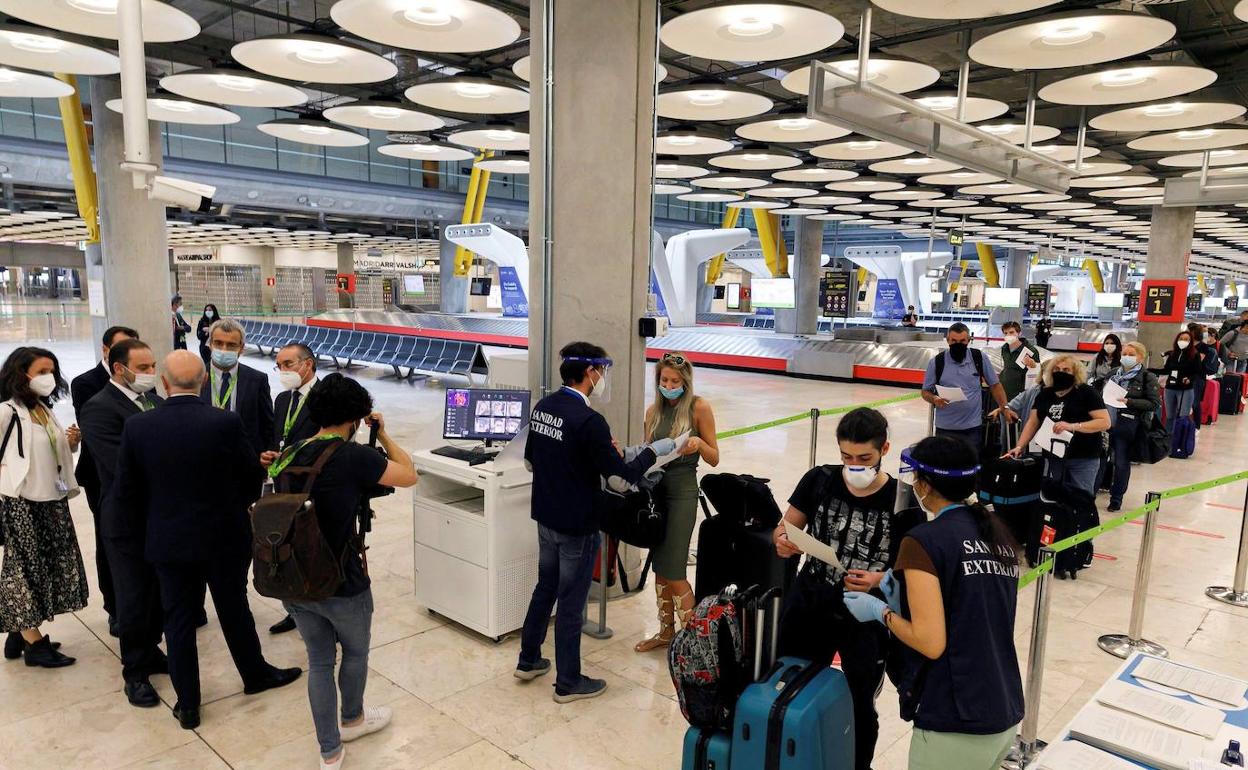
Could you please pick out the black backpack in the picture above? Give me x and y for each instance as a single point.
(291, 558)
(977, 356)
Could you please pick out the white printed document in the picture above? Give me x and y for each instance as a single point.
(1135, 738)
(1166, 709)
(1073, 755)
(811, 546)
(1191, 680)
(949, 394)
(1115, 395)
(681, 440)
(1023, 358)
(1047, 440)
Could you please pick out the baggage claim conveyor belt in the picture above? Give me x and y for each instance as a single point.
(896, 363)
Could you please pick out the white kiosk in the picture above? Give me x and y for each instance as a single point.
(505, 250)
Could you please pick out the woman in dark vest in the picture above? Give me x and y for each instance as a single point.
(951, 599)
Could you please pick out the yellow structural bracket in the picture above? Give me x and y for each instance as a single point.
(1200, 281)
(79, 150)
(988, 265)
(474, 206)
(774, 253)
(715, 267)
(1094, 272)
(953, 285)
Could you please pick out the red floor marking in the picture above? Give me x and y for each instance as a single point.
(1104, 556)
(1224, 505)
(1183, 530)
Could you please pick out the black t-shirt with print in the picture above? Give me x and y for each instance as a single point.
(1075, 406)
(865, 531)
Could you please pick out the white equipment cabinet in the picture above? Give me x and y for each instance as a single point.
(475, 546)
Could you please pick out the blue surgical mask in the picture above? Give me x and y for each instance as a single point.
(672, 394)
(225, 359)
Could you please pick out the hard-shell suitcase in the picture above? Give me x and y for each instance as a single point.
(706, 750)
(1066, 511)
(1183, 440)
(731, 552)
(1231, 394)
(800, 717)
(1012, 487)
(1209, 405)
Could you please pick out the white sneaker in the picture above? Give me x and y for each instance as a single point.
(337, 763)
(375, 718)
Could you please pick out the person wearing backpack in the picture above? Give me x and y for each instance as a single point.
(338, 491)
(851, 508)
(1019, 359)
(963, 368)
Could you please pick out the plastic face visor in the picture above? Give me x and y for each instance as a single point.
(911, 466)
(605, 363)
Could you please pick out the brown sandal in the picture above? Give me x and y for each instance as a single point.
(667, 622)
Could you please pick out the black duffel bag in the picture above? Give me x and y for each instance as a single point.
(635, 518)
(1152, 444)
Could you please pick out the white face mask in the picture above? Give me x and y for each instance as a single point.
(43, 385)
(930, 513)
(1110, 348)
(290, 380)
(860, 476)
(1011, 339)
(601, 392)
(1182, 344)
(142, 382)
(1129, 362)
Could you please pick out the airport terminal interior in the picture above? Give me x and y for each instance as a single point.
(926, 208)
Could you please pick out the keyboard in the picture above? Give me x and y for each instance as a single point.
(470, 456)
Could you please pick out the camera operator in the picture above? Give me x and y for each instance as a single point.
(340, 494)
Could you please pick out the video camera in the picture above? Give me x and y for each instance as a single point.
(378, 490)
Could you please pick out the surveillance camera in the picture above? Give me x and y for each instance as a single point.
(181, 192)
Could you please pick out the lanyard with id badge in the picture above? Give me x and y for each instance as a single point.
(61, 487)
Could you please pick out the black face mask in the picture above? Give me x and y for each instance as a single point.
(957, 351)
(1063, 380)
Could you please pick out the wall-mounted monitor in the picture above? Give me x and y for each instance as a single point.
(772, 292)
(1110, 299)
(720, 292)
(734, 296)
(414, 284)
(1011, 298)
(480, 287)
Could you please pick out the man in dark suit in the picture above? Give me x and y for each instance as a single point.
(129, 393)
(296, 368)
(238, 388)
(81, 390)
(186, 476)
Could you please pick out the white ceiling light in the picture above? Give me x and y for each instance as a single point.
(35, 48)
(384, 116)
(524, 64)
(1191, 139)
(959, 9)
(943, 203)
(860, 149)
(729, 182)
(1121, 180)
(751, 31)
(442, 26)
(814, 174)
(711, 197)
(438, 151)
(313, 58)
(1065, 152)
(168, 109)
(754, 203)
(25, 85)
(830, 200)
(1017, 132)
(915, 165)
(783, 191)
(689, 141)
(1167, 116)
(865, 185)
(667, 168)
(977, 107)
(798, 211)
(996, 188)
(1101, 168)
(1071, 40)
(513, 163)
(1196, 159)
(1121, 84)
(1030, 197)
(897, 75)
(472, 95)
(710, 100)
(162, 23)
(1127, 192)
(905, 195)
(238, 87)
(959, 177)
(491, 137)
(791, 127)
(311, 131)
(757, 158)
(1241, 10)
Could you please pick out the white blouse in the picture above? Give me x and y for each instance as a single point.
(42, 477)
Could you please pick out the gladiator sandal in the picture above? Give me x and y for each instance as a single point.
(667, 624)
(684, 614)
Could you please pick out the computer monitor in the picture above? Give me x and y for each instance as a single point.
(480, 287)
(481, 414)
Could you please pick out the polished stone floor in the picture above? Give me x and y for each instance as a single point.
(456, 704)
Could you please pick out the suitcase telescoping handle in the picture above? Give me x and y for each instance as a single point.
(766, 604)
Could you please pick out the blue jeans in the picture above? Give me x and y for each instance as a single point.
(1079, 473)
(345, 620)
(1237, 365)
(565, 568)
(1178, 404)
(1121, 446)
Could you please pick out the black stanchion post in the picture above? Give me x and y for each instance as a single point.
(1237, 592)
(1028, 744)
(814, 437)
(1122, 645)
(600, 630)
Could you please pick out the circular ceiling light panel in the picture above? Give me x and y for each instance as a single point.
(1191, 139)
(865, 185)
(783, 191)
(441, 26)
(814, 174)
(386, 116)
(1071, 40)
(1017, 132)
(524, 64)
(897, 75)
(1196, 159)
(162, 23)
(1100, 168)
(667, 168)
(1140, 82)
(1128, 192)
(756, 159)
(1064, 152)
(1059, 206)
(943, 203)
(711, 197)
(1167, 116)
(752, 32)
(518, 163)
(860, 149)
(1224, 171)
(977, 209)
(798, 211)
(959, 9)
(754, 203)
(491, 137)
(690, 142)
(905, 195)
(865, 208)
(1241, 11)
(1031, 197)
(236, 87)
(308, 131)
(35, 48)
(794, 127)
(168, 109)
(917, 165)
(997, 188)
(710, 101)
(842, 218)
(438, 151)
(977, 107)
(473, 95)
(729, 182)
(19, 84)
(313, 58)
(1147, 200)
(958, 177)
(1123, 180)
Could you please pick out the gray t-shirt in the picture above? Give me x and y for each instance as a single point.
(960, 415)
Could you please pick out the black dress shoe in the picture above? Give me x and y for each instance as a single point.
(282, 626)
(113, 629)
(141, 693)
(44, 655)
(15, 645)
(187, 717)
(274, 678)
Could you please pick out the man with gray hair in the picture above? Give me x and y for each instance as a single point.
(235, 387)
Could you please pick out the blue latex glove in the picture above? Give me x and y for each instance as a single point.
(664, 446)
(892, 591)
(865, 607)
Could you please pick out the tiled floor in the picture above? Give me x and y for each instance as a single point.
(456, 704)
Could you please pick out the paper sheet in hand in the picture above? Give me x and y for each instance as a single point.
(681, 440)
(1166, 709)
(1048, 441)
(1135, 738)
(812, 547)
(949, 394)
(1115, 395)
(1073, 755)
(1220, 688)
(1021, 361)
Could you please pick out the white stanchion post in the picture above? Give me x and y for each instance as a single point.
(1028, 744)
(1236, 593)
(1122, 645)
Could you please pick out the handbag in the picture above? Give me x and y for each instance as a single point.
(635, 518)
(1152, 443)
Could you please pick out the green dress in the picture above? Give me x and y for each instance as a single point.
(678, 490)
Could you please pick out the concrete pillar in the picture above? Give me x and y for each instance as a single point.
(602, 107)
(1219, 287)
(1169, 248)
(804, 269)
(268, 274)
(454, 289)
(346, 266)
(134, 253)
(1017, 268)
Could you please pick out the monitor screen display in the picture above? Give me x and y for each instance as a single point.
(479, 287)
(734, 296)
(1003, 297)
(414, 284)
(772, 292)
(485, 415)
(1110, 299)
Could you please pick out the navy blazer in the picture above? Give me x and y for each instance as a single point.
(303, 426)
(81, 390)
(253, 404)
(102, 420)
(185, 478)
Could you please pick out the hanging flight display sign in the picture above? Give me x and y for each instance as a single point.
(1133, 301)
(834, 293)
(956, 238)
(1038, 298)
(1196, 302)
(1231, 303)
(1163, 301)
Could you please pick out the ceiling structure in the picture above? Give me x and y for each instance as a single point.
(1156, 83)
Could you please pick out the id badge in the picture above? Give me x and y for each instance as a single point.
(61, 487)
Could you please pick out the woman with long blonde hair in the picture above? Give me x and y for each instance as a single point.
(675, 411)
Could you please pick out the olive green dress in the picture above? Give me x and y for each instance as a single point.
(678, 490)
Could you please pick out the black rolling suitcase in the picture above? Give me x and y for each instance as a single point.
(734, 544)
(1231, 397)
(1012, 487)
(1064, 512)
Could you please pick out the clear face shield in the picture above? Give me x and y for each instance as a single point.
(910, 467)
(601, 391)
